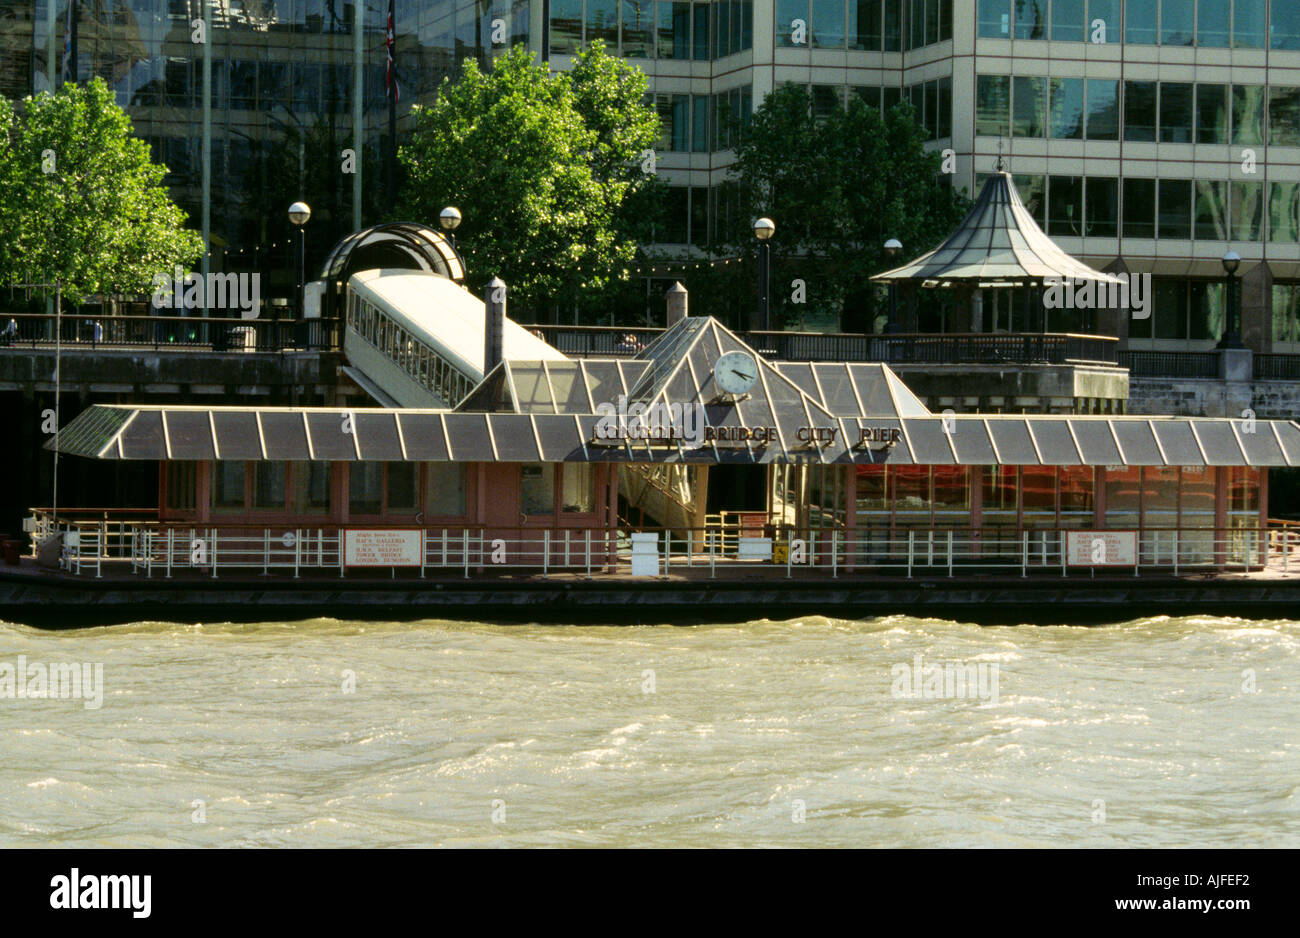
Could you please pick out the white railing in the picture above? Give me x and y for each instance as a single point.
(152, 549)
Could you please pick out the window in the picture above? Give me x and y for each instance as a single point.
(1211, 114)
(1067, 108)
(366, 488)
(1038, 496)
(1102, 202)
(403, 486)
(1033, 192)
(1284, 28)
(1248, 209)
(700, 123)
(866, 20)
(993, 105)
(182, 484)
(1031, 19)
(1196, 514)
(1211, 210)
(994, 19)
(1029, 100)
(1140, 111)
(787, 11)
(893, 25)
(1284, 212)
(1139, 208)
(1000, 491)
(951, 495)
(602, 22)
(1065, 205)
(638, 28)
(674, 30)
(1247, 113)
(445, 496)
(1286, 312)
(1183, 310)
(1177, 114)
(1175, 209)
(826, 100)
(1248, 18)
(311, 487)
(1159, 496)
(1077, 507)
(1108, 11)
(1122, 491)
(828, 24)
(268, 485)
(566, 26)
(1213, 24)
(1103, 109)
(1284, 117)
(1141, 22)
(1068, 21)
(699, 215)
(578, 487)
(700, 35)
(537, 488)
(1177, 22)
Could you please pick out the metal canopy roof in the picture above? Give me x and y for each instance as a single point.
(200, 433)
(998, 245)
(528, 411)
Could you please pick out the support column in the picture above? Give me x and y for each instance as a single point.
(850, 515)
(1220, 514)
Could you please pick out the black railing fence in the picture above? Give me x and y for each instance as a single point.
(956, 349)
(1142, 364)
(1277, 367)
(33, 330)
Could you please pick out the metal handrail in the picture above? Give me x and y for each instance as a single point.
(151, 548)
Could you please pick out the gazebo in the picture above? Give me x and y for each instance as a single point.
(998, 245)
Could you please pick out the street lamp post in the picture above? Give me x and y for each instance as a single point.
(764, 228)
(892, 247)
(299, 212)
(449, 219)
(1232, 334)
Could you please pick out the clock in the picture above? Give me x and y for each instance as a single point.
(735, 372)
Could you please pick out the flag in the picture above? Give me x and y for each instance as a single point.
(390, 75)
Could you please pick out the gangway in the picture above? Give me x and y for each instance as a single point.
(418, 338)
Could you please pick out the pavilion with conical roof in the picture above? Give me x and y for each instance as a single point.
(998, 245)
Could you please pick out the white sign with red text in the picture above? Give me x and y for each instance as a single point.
(1101, 548)
(376, 548)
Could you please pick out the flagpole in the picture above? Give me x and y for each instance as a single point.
(392, 108)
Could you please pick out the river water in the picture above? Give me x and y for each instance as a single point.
(1161, 732)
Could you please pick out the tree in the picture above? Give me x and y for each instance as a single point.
(838, 186)
(81, 200)
(546, 168)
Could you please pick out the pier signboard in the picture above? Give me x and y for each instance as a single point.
(1101, 548)
(382, 548)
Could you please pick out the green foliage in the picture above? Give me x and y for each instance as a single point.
(81, 199)
(838, 186)
(546, 170)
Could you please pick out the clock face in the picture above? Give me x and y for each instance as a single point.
(736, 372)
